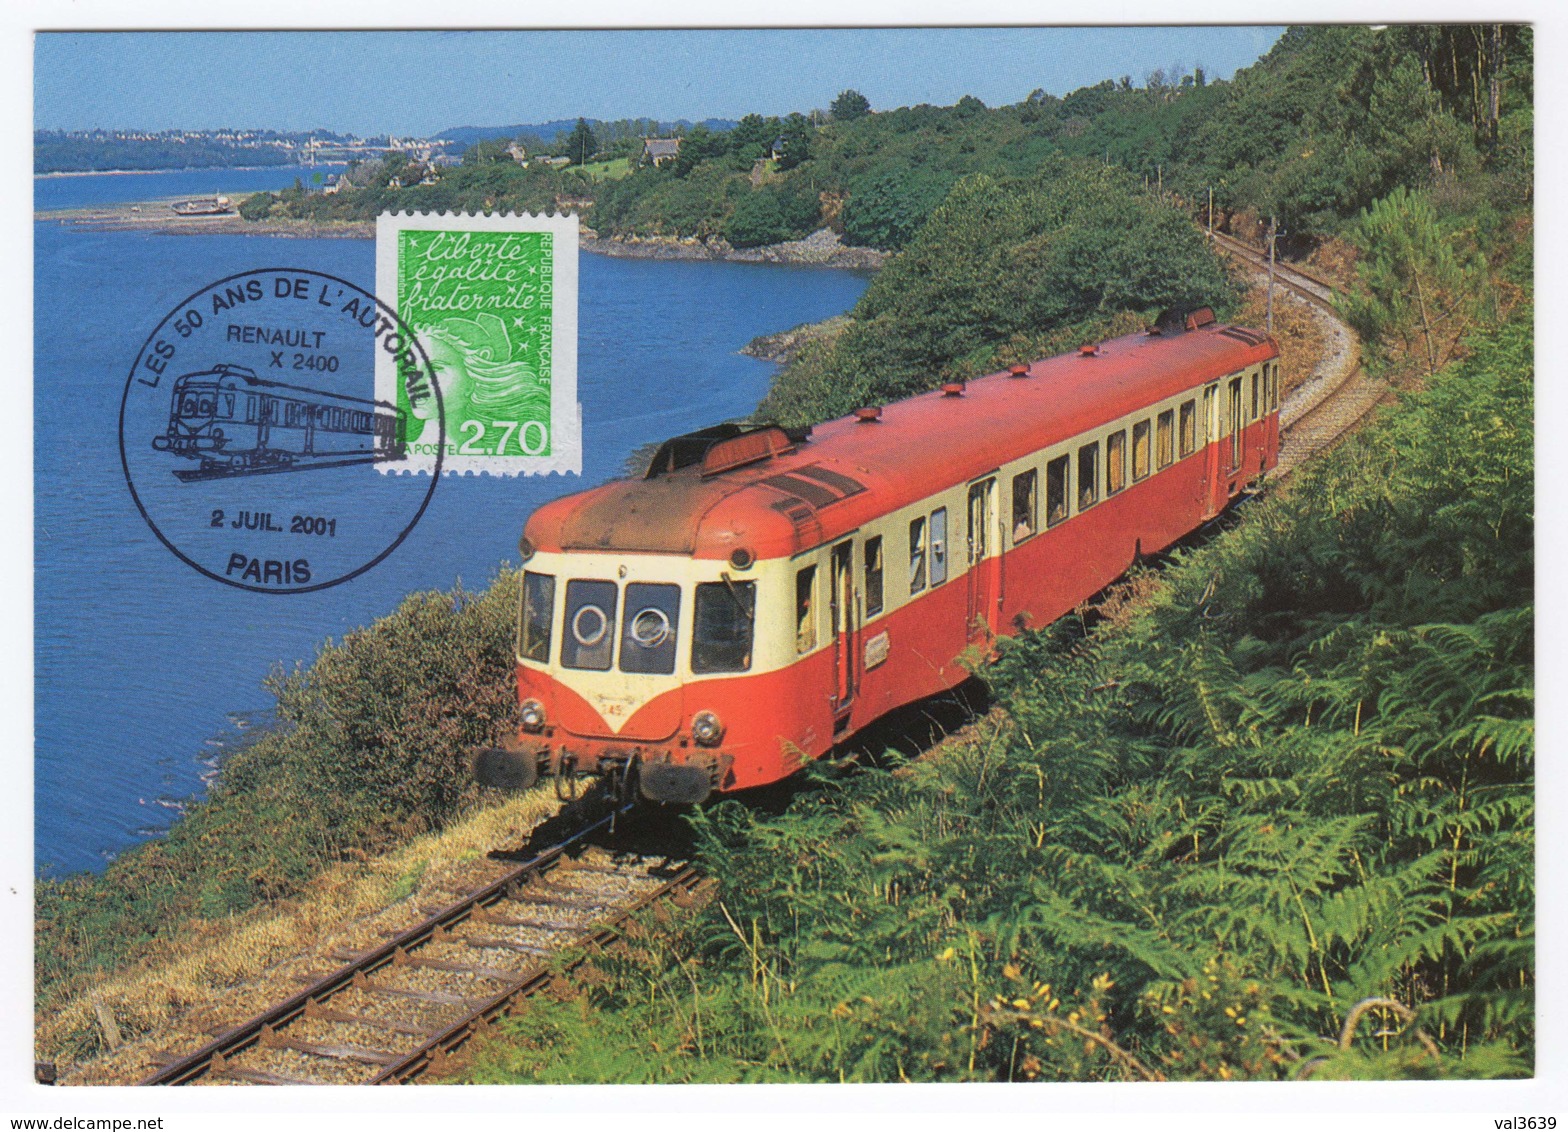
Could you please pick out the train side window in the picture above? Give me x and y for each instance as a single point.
(652, 611)
(1088, 475)
(1164, 439)
(1115, 462)
(1255, 401)
(1274, 387)
(805, 610)
(939, 546)
(917, 554)
(590, 625)
(250, 409)
(873, 576)
(1140, 450)
(538, 613)
(1189, 427)
(1026, 508)
(1056, 491)
(722, 620)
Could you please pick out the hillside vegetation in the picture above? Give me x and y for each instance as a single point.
(1329, 121)
(1299, 777)
(369, 751)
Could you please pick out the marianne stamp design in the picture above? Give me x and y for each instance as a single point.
(251, 428)
(493, 300)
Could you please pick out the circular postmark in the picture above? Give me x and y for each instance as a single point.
(256, 441)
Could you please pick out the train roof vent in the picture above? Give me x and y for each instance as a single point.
(747, 448)
(1174, 320)
(815, 485)
(722, 447)
(1241, 334)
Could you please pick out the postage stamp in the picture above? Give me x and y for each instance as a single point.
(493, 301)
(250, 431)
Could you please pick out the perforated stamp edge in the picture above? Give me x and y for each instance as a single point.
(565, 456)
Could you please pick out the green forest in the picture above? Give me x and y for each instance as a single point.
(1330, 120)
(1267, 814)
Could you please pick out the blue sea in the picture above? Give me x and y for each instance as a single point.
(147, 671)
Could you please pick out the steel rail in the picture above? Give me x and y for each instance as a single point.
(1334, 411)
(261, 1030)
(1315, 290)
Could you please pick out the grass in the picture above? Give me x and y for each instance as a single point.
(225, 970)
(612, 170)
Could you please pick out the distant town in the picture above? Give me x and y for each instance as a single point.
(85, 151)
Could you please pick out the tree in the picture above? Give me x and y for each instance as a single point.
(1421, 289)
(796, 149)
(581, 143)
(770, 215)
(256, 206)
(849, 106)
(491, 152)
(884, 211)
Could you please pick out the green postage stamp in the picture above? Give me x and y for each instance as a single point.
(493, 302)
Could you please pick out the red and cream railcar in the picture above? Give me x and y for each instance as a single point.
(761, 595)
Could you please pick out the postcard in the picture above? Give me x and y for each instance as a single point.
(996, 557)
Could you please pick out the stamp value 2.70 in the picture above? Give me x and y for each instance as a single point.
(493, 300)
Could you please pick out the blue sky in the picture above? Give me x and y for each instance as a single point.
(423, 82)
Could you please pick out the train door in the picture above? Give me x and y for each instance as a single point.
(983, 575)
(1235, 419)
(1209, 426)
(841, 614)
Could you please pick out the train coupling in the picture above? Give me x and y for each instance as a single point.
(518, 763)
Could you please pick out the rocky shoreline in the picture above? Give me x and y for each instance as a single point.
(822, 248)
(782, 347)
(156, 216)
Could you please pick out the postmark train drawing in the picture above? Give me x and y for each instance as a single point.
(234, 423)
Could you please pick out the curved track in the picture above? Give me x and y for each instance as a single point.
(1325, 412)
(389, 1014)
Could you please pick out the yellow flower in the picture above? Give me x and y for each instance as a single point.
(1021, 1003)
(947, 955)
(1011, 971)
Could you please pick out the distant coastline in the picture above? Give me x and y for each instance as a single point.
(181, 169)
(820, 249)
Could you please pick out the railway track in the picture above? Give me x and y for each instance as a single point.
(1320, 412)
(1314, 288)
(394, 1012)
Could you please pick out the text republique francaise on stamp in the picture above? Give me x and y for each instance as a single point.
(493, 299)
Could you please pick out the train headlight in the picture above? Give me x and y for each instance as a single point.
(706, 729)
(533, 716)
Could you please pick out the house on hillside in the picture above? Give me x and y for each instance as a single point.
(660, 150)
(555, 161)
(776, 150)
(518, 154)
